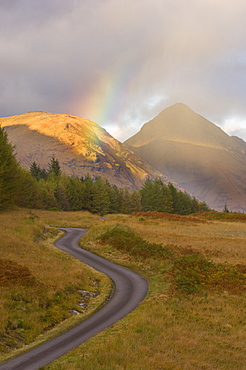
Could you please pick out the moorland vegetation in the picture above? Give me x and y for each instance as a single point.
(194, 314)
(192, 318)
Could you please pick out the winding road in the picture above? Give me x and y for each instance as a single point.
(130, 290)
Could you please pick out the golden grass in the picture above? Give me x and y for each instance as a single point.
(223, 241)
(169, 330)
(39, 284)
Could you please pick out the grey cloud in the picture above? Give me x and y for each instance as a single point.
(55, 55)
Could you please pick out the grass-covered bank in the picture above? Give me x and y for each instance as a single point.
(194, 314)
(191, 319)
(41, 286)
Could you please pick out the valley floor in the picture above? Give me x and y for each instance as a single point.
(202, 327)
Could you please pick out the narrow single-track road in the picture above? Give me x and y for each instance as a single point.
(130, 290)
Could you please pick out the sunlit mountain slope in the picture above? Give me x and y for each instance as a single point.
(81, 146)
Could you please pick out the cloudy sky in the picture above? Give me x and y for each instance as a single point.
(120, 62)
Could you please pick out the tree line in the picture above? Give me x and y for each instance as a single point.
(51, 189)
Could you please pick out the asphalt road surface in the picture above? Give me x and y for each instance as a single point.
(130, 290)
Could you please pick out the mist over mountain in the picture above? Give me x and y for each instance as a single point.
(196, 154)
(81, 146)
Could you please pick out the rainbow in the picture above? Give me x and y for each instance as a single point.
(104, 100)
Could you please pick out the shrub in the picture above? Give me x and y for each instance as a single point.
(141, 219)
(126, 240)
(193, 273)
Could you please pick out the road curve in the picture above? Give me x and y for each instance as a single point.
(130, 290)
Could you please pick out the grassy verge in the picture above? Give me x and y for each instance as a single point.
(194, 314)
(43, 291)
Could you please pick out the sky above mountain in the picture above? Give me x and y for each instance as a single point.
(120, 62)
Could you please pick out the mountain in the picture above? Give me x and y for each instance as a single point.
(196, 154)
(81, 146)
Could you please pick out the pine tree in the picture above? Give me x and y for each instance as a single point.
(167, 205)
(61, 197)
(46, 195)
(182, 202)
(88, 182)
(203, 207)
(76, 192)
(34, 170)
(226, 210)
(114, 197)
(194, 205)
(100, 197)
(9, 172)
(37, 172)
(124, 200)
(28, 191)
(156, 196)
(162, 197)
(134, 204)
(54, 166)
(175, 197)
(148, 196)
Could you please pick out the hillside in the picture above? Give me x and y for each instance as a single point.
(81, 146)
(196, 154)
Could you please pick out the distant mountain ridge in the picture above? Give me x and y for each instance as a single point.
(196, 154)
(81, 146)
